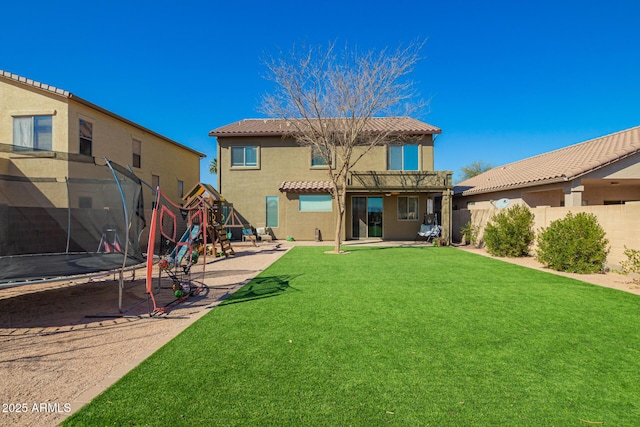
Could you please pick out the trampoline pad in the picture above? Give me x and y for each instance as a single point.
(25, 268)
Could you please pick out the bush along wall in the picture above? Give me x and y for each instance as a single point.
(575, 244)
(510, 232)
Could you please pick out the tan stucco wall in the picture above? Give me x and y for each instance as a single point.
(17, 99)
(113, 138)
(610, 193)
(247, 188)
(284, 160)
(620, 222)
(302, 225)
(376, 160)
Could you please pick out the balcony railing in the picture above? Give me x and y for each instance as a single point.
(400, 180)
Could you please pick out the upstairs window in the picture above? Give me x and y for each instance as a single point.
(403, 157)
(319, 156)
(86, 137)
(244, 156)
(137, 153)
(33, 133)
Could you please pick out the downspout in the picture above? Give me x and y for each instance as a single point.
(219, 173)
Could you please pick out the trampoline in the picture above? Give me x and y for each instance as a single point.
(55, 227)
(26, 269)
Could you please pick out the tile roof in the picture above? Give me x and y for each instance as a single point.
(34, 83)
(306, 187)
(560, 165)
(69, 95)
(278, 127)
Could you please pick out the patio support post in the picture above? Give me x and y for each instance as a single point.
(446, 219)
(574, 197)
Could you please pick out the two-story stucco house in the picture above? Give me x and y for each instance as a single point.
(50, 139)
(49, 132)
(275, 182)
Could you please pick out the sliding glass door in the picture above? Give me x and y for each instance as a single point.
(366, 217)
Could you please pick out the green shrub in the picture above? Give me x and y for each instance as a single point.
(470, 232)
(575, 244)
(632, 263)
(510, 232)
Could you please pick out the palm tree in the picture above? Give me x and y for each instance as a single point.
(213, 166)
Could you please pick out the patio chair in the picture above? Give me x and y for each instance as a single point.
(247, 234)
(264, 234)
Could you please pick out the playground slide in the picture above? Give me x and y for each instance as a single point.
(189, 236)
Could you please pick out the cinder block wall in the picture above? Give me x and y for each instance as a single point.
(620, 222)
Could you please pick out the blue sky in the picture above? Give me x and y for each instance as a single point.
(506, 79)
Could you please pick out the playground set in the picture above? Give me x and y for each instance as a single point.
(62, 230)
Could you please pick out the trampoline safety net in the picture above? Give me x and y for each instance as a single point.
(53, 227)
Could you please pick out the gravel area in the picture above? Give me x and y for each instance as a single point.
(64, 343)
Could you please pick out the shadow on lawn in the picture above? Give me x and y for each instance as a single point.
(261, 287)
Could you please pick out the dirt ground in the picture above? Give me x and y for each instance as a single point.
(64, 343)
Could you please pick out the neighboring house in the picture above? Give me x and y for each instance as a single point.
(601, 171)
(275, 182)
(47, 132)
(600, 177)
(49, 137)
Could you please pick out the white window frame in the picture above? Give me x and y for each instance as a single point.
(26, 135)
(403, 164)
(244, 164)
(409, 215)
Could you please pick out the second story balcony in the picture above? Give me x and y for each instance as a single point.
(403, 181)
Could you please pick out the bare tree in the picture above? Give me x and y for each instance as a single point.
(328, 99)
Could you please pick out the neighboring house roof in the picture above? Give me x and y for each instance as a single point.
(560, 165)
(66, 94)
(278, 127)
(306, 187)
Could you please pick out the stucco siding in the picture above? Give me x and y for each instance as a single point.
(20, 100)
(282, 159)
(113, 139)
(302, 225)
(247, 188)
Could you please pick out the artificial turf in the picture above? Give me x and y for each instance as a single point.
(393, 336)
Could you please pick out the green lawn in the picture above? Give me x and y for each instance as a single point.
(393, 336)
